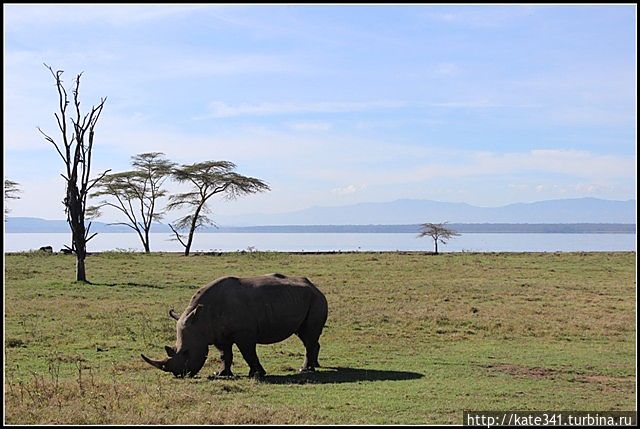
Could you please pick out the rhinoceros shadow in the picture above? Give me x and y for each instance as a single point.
(328, 375)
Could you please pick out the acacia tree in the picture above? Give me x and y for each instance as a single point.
(206, 179)
(75, 147)
(11, 191)
(437, 231)
(136, 193)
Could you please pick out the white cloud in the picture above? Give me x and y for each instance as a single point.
(579, 165)
(574, 188)
(310, 126)
(17, 16)
(470, 104)
(198, 64)
(483, 16)
(348, 190)
(589, 115)
(447, 69)
(219, 109)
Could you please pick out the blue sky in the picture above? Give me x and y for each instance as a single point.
(333, 105)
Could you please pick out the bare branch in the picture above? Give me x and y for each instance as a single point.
(125, 224)
(178, 237)
(99, 178)
(50, 140)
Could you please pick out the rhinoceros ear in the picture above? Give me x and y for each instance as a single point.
(195, 314)
(171, 351)
(173, 314)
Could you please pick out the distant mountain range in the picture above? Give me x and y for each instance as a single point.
(403, 216)
(579, 210)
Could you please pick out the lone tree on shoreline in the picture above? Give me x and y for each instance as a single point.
(137, 192)
(207, 179)
(437, 231)
(75, 147)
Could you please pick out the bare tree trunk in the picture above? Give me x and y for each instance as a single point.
(192, 230)
(145, 242)
(436, 241)
(81, 275)
(187, 247)
(75, 217)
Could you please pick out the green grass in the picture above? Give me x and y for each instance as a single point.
(411, 338)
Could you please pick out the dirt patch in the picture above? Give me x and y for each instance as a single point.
(604, 382)
(609, 383)
(522, 371)
(599, 379)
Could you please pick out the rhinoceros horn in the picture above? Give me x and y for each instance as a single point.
(160, 364)
(173, 314)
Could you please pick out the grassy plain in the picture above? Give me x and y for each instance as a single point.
(411, 338)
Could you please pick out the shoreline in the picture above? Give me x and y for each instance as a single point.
(324, 252)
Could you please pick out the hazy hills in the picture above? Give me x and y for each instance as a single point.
(580, 210)
(399, 216)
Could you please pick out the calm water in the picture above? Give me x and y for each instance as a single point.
(226, 242)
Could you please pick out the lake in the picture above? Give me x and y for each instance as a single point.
(311, 242)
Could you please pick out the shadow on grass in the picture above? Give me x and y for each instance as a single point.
(328, 375)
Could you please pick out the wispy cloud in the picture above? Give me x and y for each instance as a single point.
(567, 189)
(472, 104)
(219, 109)
(447, 69)
(199, 64)
(17, 15)
(347, 190)
(314, 126)
(581, 165)
(571, 163)
(481, 16)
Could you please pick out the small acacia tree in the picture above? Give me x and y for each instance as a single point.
(437, 231)
(136, 193)
(206, 179)
(11, 191)
(75, 147)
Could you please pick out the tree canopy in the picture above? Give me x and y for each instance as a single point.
(438, 232)
(135, 193)
(11, 191)
(206, 179)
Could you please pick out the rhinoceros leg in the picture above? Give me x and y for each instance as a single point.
(226, 356)
(249, 354)
(312, 348)
(315, 361)
(309, 333)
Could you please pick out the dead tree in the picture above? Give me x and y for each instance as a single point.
(75, 148)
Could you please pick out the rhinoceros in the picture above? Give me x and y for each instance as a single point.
(245, 311)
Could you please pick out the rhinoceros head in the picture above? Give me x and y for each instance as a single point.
(190, 352)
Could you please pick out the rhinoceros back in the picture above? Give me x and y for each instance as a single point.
(271, 307)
